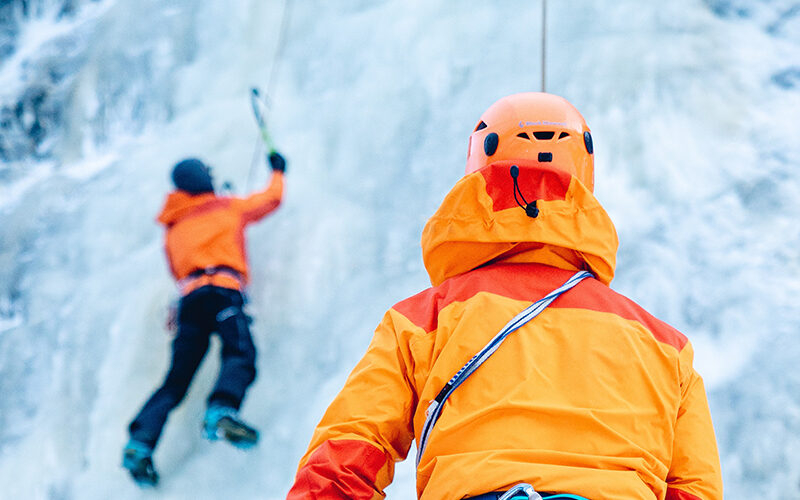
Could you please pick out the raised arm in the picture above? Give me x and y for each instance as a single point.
(259, 204)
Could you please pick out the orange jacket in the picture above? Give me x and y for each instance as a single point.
(207, 230)
(593, 397)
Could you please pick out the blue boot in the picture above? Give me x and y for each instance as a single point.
(224, 422)
(137, 457)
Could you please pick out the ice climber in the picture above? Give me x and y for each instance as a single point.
(574, 392)
(205, 248)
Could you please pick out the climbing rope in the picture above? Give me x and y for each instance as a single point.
(273, 72)
(544, 44)
(266, 97)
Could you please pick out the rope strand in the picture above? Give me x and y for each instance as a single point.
(544, 44)
(273, 77)
(276, 58)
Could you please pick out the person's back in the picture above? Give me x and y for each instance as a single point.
(205, 231)
(592, 397)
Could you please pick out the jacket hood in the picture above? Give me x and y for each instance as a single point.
(180, 203)
(479, 222)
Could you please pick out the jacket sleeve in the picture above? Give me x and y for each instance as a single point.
(695, 470)
(366, 429)
(259, 204)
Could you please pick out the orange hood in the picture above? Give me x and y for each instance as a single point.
(479, 222)
(180, 203)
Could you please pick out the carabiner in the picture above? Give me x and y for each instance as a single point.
(523, 488)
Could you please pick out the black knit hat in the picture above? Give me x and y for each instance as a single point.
(193, 176)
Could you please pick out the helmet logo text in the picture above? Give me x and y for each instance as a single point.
(544, 122)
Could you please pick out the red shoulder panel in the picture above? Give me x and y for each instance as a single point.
(517, 281)
(531, 282)
(595, 296)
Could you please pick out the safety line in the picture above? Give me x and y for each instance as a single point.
(273, 77)
(544, 45)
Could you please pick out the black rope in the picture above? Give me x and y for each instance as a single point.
(530, 208)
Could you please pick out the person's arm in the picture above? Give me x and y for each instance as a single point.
(366, 429)
(258, 205)
(695, 470)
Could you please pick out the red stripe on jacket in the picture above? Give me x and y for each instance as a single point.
(531, 282)
(339, 469)
(676, 494)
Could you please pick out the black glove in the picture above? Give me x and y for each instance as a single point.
(277, 162)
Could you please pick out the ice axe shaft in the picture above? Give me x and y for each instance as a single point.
(259, 109)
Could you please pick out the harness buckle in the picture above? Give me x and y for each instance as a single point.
(524, 488)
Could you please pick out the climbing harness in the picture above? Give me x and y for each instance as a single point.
(184, 283)
(530, 312)
(524, 491)
(519, 490)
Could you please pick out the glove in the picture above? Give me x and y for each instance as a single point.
(277, 162)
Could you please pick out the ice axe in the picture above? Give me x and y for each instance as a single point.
(260, 106)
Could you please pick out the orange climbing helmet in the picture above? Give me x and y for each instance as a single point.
(534, 126)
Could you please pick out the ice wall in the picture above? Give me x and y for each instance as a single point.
(693, 106)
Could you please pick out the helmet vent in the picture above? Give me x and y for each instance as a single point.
(563, 134)
(480, 126)
(524, 135)
(587, 141)
(490, 144)
(544, 135)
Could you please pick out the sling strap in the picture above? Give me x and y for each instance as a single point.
(527, 314)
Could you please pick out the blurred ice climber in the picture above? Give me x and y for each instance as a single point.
(593, 398)
(205, 248)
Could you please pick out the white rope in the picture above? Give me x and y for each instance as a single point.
(273, 76)
(527, 314)
(274, 68)
(544, 45)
